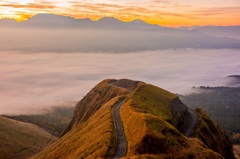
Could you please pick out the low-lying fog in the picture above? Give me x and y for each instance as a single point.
(31, 82)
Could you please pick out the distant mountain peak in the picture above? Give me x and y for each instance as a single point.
(50, 17)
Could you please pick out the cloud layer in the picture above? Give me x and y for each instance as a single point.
(31, 82)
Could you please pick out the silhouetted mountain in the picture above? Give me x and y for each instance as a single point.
(53, 33)
(57, 21)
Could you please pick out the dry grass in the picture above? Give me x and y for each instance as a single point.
(21, 140)
(145, 114)
(134, 126)
(153, 100)
(94, 100)
(212, 135)
(149, 135)
(91, 139)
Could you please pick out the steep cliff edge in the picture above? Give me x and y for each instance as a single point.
(156, 124)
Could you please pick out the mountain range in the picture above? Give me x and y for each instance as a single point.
(54, 33)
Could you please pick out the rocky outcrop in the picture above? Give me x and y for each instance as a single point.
(182, 116)
(205, 129)
(212, 135)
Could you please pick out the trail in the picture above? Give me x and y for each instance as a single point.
(121, 139)
(191, 124)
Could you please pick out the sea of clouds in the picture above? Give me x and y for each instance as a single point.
(32, 82)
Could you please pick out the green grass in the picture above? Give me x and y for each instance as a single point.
(153, 100)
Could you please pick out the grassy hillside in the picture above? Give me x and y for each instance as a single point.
(99, 95)
(93, 139)
(54, 121)
(208, 131)
(148, 114)
(148, 133)
(153, 100)
(21, 140)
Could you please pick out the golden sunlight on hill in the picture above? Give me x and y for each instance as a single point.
(155, 124)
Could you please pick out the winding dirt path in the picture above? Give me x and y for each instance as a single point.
(121, 139)
(192, 124)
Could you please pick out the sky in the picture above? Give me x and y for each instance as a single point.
(173, 13)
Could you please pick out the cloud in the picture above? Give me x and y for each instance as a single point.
(25, 11)
(42, 5)
(31, 82)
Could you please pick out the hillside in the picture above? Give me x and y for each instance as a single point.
(21, 140)
(125, 118)
(53, 121)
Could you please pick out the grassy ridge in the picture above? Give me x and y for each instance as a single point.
(91, 139)
(134, 126)
(153, 100)
(91, 133)
(99, 95)
(147, 114)
(144, 116)
(21, 140)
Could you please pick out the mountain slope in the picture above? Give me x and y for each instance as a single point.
(155, 124)
(21, 140)
(53, 33)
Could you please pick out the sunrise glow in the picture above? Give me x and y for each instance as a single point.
(163, 12)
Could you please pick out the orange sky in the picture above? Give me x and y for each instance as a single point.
(172, 13)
